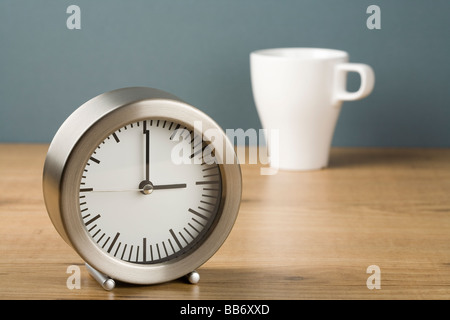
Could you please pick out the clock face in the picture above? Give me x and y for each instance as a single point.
(147, 195)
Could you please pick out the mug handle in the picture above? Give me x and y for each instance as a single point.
(367, 81)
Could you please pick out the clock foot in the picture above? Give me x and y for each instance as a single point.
(106, 282)
(193, 277)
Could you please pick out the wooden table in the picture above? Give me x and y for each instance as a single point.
(299, 235)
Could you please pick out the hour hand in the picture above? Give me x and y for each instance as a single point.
(169, 186)
(147, 187)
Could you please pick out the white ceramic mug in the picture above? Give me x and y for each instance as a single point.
(299, 91)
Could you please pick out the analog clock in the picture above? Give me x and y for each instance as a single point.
(142, 186)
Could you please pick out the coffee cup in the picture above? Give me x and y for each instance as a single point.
(299, 92)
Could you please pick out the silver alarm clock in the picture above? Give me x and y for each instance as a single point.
(139, 190)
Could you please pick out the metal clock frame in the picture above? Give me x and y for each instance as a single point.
(76, 140)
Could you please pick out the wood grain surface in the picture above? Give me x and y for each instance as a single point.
(299, 235)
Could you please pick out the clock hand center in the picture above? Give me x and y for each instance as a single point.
(146, 187)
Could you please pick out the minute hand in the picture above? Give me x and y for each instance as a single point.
(169, 186)
(147, 151)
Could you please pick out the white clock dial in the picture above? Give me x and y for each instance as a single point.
(137, 204)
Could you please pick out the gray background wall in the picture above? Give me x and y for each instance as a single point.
(198, 50)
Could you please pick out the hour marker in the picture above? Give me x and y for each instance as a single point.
(210, 168)
(101, 237)
(205, 209)
(165, 249)
(92, 220)
(176, 239)
(95, 160)
(193, 227)
(106, 242)
(200, 142)
(210, 189)
(199, 151)
(193, 219)
(151, 252)
(181, 235)
(171, 245)
(116, 137)
(188, 233)
(174, 132)
(123, 252)
(144, 249)
(131, 251)
(113, 242)
(86, 189)
(197, 214)
(207, 182)
(117, 250)
(96, 233)
(211, 175)
(206, 202)
(188, 135)
(195, 153)
(159, 254)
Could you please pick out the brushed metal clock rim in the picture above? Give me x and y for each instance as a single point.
(70, 224)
